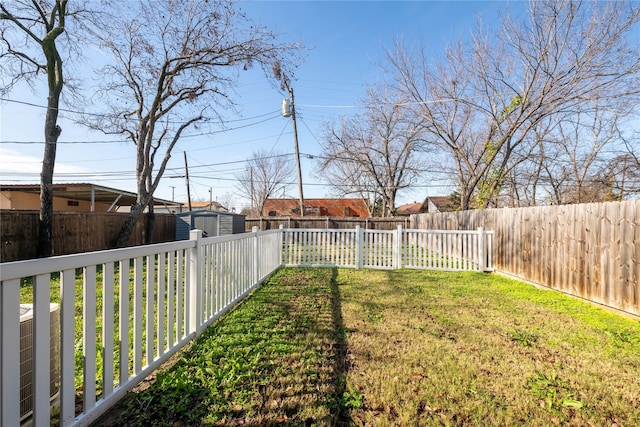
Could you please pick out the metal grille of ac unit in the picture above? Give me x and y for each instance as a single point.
(26, 357)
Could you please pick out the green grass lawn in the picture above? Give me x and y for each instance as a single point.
(363, 347)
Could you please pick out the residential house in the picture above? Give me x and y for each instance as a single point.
(72, 197)
(430, 204)
(206, 206)
(175, 207)
(316, 208)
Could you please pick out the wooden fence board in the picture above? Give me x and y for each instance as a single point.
(588, 250)
(74, 232)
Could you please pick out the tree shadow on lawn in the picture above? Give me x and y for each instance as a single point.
(280, 358)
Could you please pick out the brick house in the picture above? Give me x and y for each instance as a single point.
(316, 207)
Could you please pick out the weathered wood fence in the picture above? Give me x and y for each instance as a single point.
(75, 232)
(588, 250)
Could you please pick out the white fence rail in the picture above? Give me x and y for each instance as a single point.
(381, 249)
(124, 312)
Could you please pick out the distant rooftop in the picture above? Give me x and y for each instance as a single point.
(87, 192)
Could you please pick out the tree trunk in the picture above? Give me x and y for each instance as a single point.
(151, 220)
(55, 83)
(51, 132)
(144, 199)
(127, 228)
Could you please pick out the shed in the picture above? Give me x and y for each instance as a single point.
(212, 223)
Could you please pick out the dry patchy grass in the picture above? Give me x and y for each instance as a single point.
(431, 348)
(363, 347)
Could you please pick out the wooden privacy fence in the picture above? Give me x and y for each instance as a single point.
(589, 250)
(382, 249)
(75, 232)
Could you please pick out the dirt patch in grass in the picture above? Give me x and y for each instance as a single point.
(362, 347)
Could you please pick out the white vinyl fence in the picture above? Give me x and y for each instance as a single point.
(126, 311)
(101, 322)
(383, 249)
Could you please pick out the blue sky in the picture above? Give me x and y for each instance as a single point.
(346, 41)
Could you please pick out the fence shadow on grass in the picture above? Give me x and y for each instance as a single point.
(341, 414)
(279, 358)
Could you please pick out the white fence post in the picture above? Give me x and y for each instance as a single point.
(195, 283)
(359, 247)
(397, 248)
(481, 249)
(256, 256)
(281, 245)
(10, 353)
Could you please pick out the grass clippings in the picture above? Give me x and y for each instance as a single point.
(378, 348)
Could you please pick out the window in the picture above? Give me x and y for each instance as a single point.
(73, 203)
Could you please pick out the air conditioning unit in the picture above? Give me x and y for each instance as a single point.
(26, 357)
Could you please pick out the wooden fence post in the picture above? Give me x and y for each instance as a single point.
(195, 283)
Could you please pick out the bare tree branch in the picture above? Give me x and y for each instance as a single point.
(376, 153)
(175, 64)
(483, 102)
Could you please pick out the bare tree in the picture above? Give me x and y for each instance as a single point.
(627, 164)
(30, 35)
(482, 103)
(376, 153)
(578, 158)
(227, 200)
(348, 178)
(266, 175)
(175, 62)
(576, 167)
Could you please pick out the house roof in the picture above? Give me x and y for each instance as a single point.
(442, 203)
(410, 209)
(331, 207)
(84, 191)
(215, 206)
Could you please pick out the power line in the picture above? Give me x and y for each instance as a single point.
(129, 173)
(65, 110)
(269, 116)
(129, 141)
(309, 129)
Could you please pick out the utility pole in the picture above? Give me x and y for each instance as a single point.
(173, 189)
(297, 151)
(210, 199)
(251, 195)
(186, 168)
